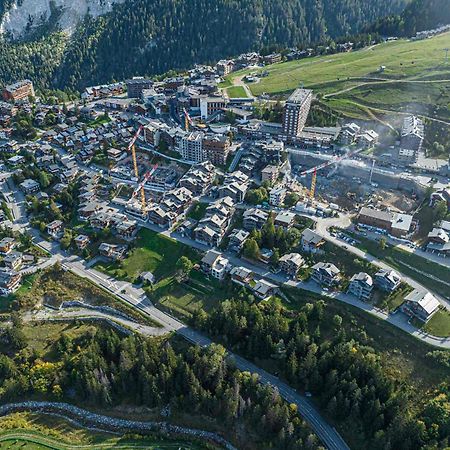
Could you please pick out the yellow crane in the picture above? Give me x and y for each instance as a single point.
(312, 191)
(132, 148)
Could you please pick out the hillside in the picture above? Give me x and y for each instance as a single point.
(419, 15)
(416, 78)
(145, 37)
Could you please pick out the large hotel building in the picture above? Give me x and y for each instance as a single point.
(296, 112)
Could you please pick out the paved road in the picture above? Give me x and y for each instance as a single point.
(322, 228)
(137, 298)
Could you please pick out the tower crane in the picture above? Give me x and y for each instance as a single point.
(146, 177)
(314, 170)
(187, 120)
(132, 148)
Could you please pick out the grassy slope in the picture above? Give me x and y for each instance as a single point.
(153, 252)
(236, 92)
(32, 432)
(319, 71)
(404, 60)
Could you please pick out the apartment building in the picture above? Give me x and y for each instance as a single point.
(20, 90)
(420, 304)
(254, 219)
(270, 173)
(296, 112)
(326, 274)
(361, 286)
(291, 263)
(277, 196)
(217, 148)
(136, 85)
(387, 280)
(191, 147)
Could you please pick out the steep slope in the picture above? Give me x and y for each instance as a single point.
(20, 17)
(419, 15)
(153, 36)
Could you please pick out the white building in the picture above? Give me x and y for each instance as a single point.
(191, 147)
(277, 196)
(361, 285)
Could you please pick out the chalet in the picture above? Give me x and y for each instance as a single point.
(241, 275)
(420, 304)
(161, 217)
(9, 282)
(126, 229)
(6, 245)
(361, 286)
(312, 242)
(82, 241)
(277, 196)
(326, 274)
(387, 280)
(54, 228)
(270, 174)
(214, 264)
(254, 219)
(264, 290)
(111, 251)
(13, 260)
(291, 263)
(237, 239)
(284, 219)
(30, 186)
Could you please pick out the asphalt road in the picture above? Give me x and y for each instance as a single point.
(137, 298)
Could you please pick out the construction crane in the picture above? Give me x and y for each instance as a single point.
(132, 148)
(314, 170)
(312, 191)
(141, 185)
(187, 120)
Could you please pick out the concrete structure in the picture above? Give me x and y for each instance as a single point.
(296, 112)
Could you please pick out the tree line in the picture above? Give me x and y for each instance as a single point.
(346, 376)
(147, 38)
(103, 368)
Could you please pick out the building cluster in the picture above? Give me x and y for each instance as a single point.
(351, 134)
(218, 266)
(15, 264)
(211, 229)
